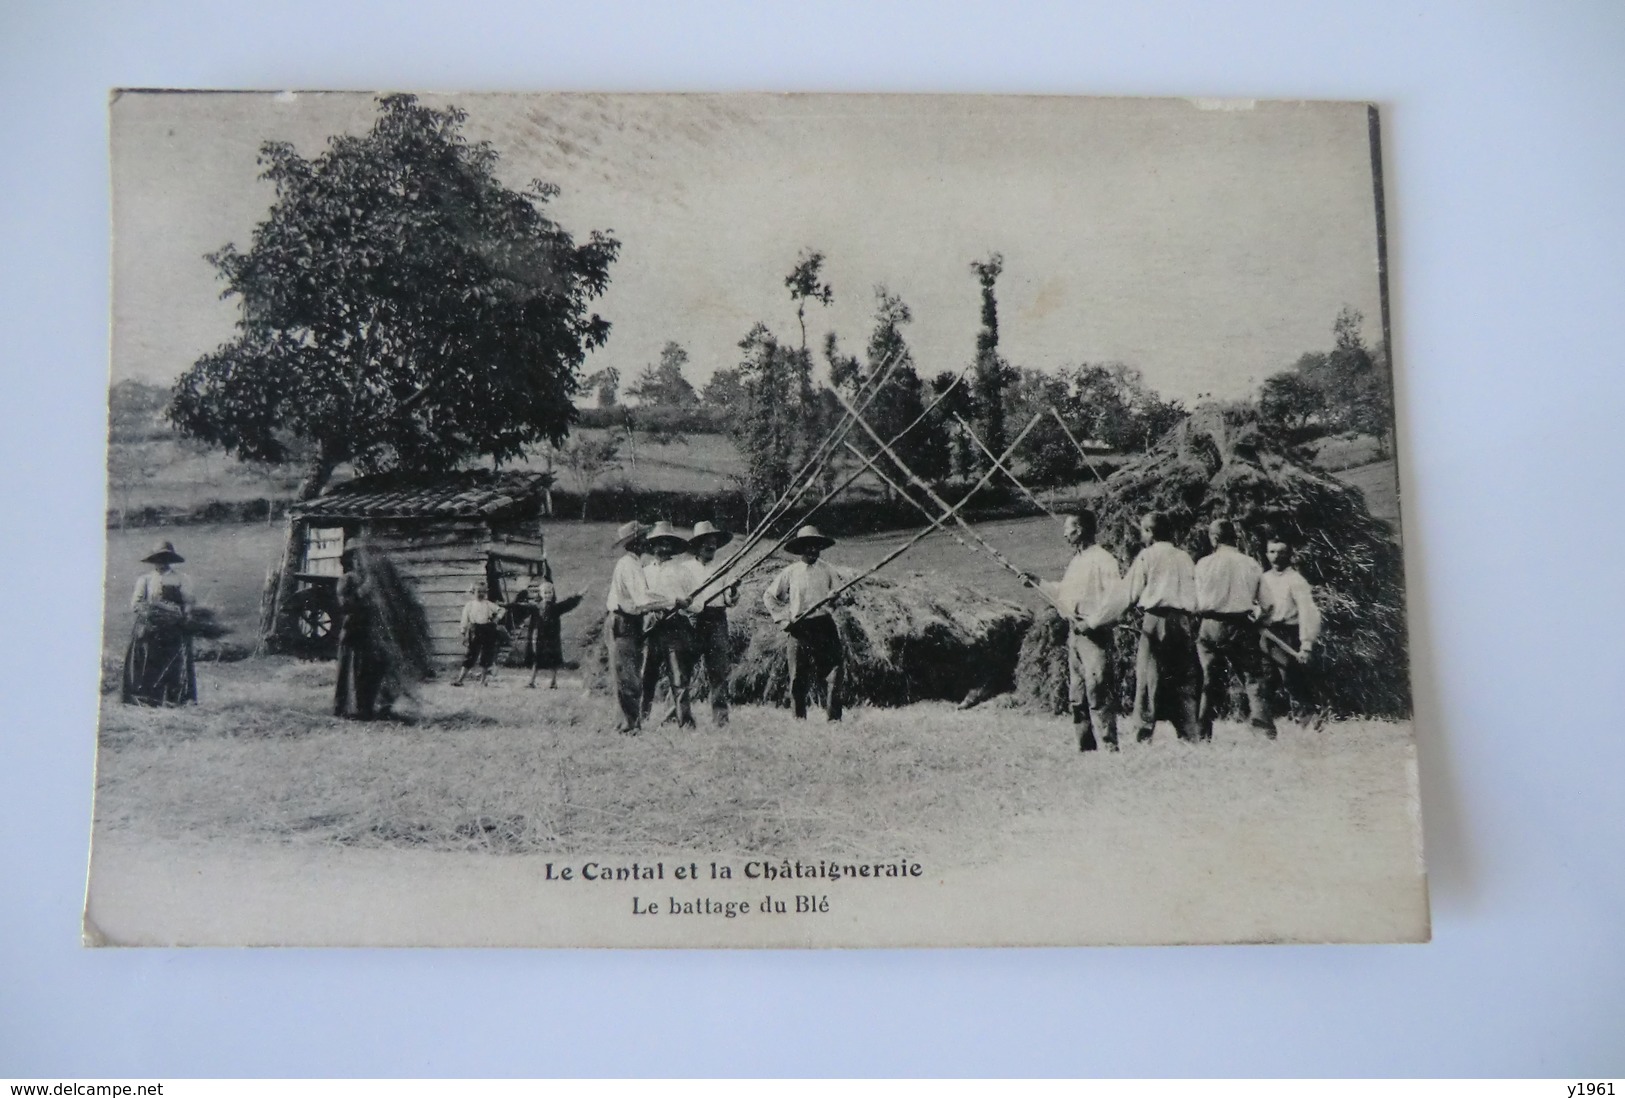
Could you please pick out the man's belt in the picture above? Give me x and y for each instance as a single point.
(1164, 611)
(1234, 617)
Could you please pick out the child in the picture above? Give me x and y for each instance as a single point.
(544, 642)
(480, 618)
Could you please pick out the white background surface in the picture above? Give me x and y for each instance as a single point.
(1506, 183)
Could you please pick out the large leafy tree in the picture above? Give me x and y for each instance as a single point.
(400, 308)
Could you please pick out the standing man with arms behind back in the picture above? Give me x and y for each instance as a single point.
(1289, 626)
(1227, 639)
(1162, 583)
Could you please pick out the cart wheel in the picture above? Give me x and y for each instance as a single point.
(315, 623)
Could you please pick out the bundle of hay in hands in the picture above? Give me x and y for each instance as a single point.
(908, 638)
(1223, 463)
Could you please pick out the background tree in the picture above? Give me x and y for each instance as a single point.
(588, 459)
(804, 285)
(902, 399)
(766, 420)
(605, 384)
(723, 391)
(1290, 400)
(400, 307)
(663, 383)
(1049, 456)
(992, 372)
(1349, 388)
(963, 454)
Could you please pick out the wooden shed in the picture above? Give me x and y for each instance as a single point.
(443, 534)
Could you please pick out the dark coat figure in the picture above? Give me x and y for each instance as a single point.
(536, 616)
(384, 644)
(158, 664)
(361, 667)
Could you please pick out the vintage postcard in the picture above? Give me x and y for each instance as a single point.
(751, 521)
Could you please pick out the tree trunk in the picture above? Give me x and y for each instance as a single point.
(317, 475)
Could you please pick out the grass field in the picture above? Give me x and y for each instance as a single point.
(1379, 481)
(504, 769)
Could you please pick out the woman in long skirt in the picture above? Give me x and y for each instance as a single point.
(158, 665)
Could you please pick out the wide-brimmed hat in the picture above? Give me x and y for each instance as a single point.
(628, 533)
(808, 537)
(662, 531)
(164, 554)
(716, 534)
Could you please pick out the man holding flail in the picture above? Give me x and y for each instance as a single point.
(1091, 597)
(797, 599)
(668, 638)
(711, 642)
(629, 599)
(1289, 626)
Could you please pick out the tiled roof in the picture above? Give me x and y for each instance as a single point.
(470, 494)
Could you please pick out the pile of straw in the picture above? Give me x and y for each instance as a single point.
(399, 629)
(1041, 669)
(1221, 462)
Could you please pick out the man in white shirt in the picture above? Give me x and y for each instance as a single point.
(629, 599)
(1289, 626)
(814, 648)
(1090, 594)
(1227, 638)
(668, 639)
(711, 641)
(1162, 583)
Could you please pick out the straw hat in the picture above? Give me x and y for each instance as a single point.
(806, 538)
(662, 532)
(628, 533)
(164, 554)
(706, 530)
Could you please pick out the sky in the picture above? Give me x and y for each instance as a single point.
(1208, 243)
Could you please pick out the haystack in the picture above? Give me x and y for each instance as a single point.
(1221, 462)
(400, 634)
(1041, 668)
(908, 638)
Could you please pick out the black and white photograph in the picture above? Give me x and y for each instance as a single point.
(751, 520)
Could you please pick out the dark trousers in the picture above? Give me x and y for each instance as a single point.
(482, 646)
(624, 634)
(1166, 675)
(814, 653)
(712, 645)
(668, 649)
(1090, 686)
(1227, 644)
(1283, 674)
